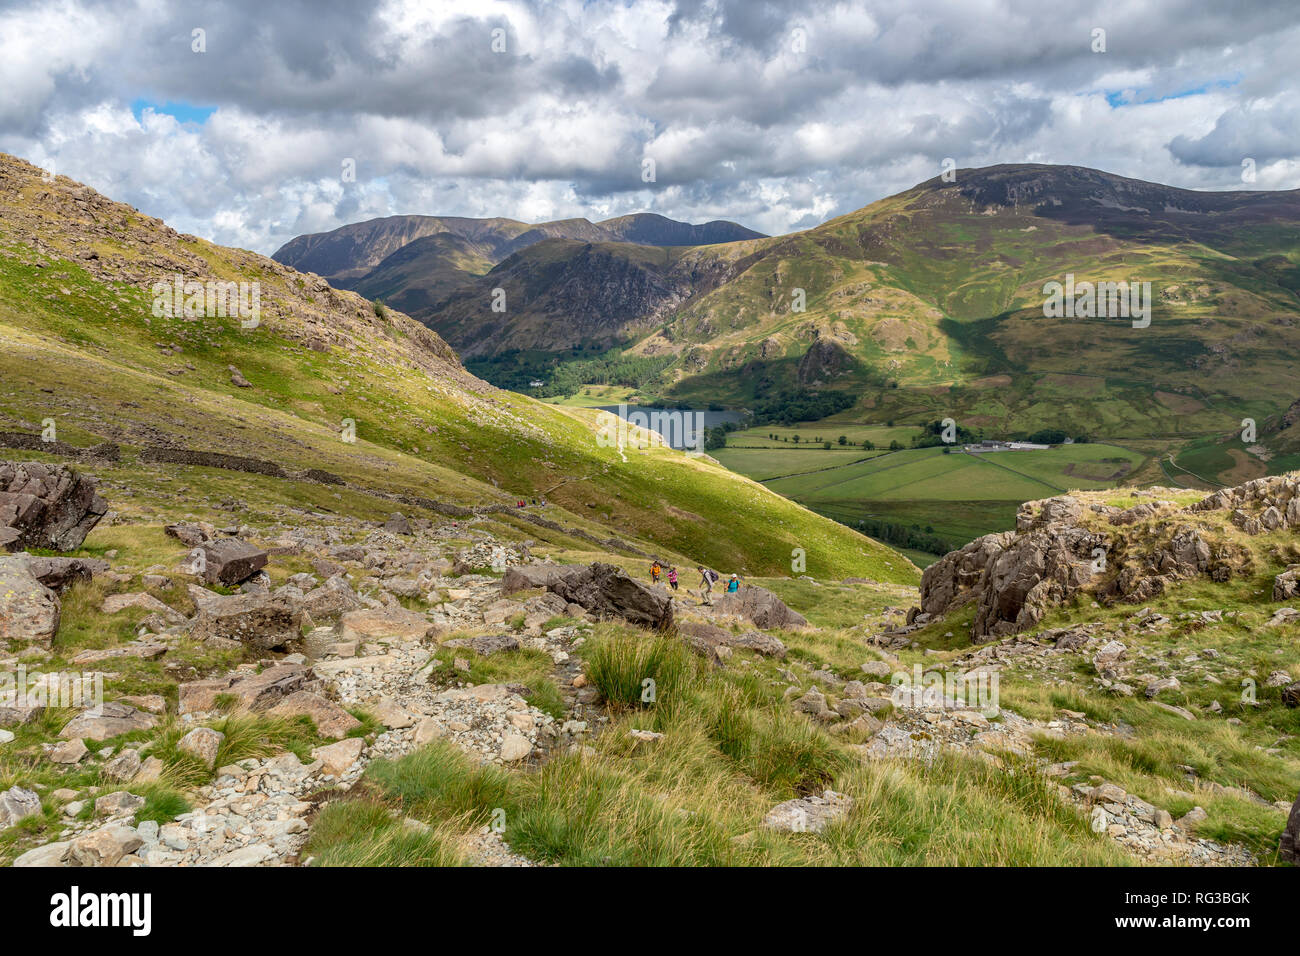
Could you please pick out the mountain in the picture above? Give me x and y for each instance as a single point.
(91, 352)
(931, 303)
(413, 262)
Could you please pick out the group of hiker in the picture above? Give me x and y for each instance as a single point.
(708, 578)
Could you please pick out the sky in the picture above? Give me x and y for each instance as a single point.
(249, 122)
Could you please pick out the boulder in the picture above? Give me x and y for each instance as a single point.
(331, 599)
(61, 573)
(706, 638)
(107, 720)
(119, 803)
(46, 506)
(51, 854)
(29, 611)
(515, 747)
(231, 561)
(1291, 695)
(258, 620)
(607, 592)
(337, 759)
(385, 623)
(524, 577)
(105, 846)
(809, 814)
(760, 607)
(486, 644)
(120, 602)
(124, 766)
(1286, 586)
(190, 534)
(261, 692)
(1289, 847)
(69, 752)
(331, 720)
(14, 712)
(18, 804)
(203, 743)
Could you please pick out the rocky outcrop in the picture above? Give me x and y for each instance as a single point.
(46, 506)
(760, 607)
(1286, 586)
(1259, 506)
(954, 579)
(607, 592)
(29, 611)
(1064, 545)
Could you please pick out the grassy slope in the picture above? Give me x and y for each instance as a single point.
(86, 353)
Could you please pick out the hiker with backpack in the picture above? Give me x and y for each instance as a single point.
(655, 570)
(672, 578)
(733, 585)
(707, 577)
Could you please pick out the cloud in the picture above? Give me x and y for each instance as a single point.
(775, 114)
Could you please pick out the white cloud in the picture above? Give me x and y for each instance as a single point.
(743, 122)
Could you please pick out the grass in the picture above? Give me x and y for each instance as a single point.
(732, 749)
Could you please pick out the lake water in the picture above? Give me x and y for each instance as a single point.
(680, 427)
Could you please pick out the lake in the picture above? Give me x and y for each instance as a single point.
(678, 426)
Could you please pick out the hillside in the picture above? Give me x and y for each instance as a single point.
(85, 349)
(929, 304)
(415, 262)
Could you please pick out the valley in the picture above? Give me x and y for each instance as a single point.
(349, 604)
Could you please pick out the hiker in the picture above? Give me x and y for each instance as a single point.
(655, 570)
(733, 585)
(707, 577)
(672, 578)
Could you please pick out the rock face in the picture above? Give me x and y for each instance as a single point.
(1060, 547)
(608, 592)
(230, 561)
(1289, 847)
(761, 607)
(29, 611)
(46, 506)
(261, 621)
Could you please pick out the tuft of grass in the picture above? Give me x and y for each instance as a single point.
(632, 670)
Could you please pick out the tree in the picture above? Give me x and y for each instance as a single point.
(895, 445)
(796, 439)
(844, 439)
(826, 445)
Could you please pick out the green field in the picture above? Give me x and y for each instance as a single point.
(763, 464)
(955, 496)
(815, 433)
